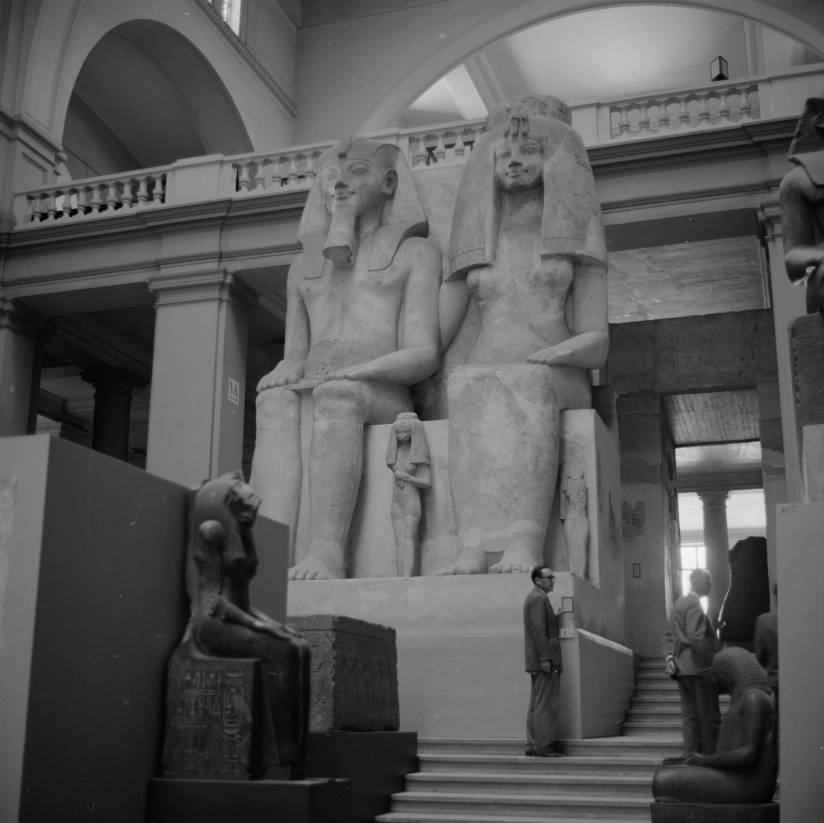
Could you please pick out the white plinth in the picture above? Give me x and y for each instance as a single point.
(461, 653)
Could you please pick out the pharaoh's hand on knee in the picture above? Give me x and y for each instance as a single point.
(285, 373)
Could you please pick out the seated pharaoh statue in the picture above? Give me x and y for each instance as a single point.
(528, 245)
(744, 767)
(361, 329)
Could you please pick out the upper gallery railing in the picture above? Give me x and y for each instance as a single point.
(718, 105)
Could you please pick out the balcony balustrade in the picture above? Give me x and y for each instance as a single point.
(665, 114)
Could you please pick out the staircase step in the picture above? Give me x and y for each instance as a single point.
(546, 782)
(595, 765)
(597, 746)
(654, 711)
(518, 807)
(446, 817)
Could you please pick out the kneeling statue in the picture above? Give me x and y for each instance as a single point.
(745, 764)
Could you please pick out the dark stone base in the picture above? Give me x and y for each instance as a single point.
(256, 801)
(714, 812)
(375, 762)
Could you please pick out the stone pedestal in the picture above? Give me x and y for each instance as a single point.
(800, 535)
(354, 674)
(461, 652)
(258, 801)
(714, 812)
(212, 712)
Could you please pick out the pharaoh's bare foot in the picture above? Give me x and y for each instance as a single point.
(470, 561)
(514, 561)
(312, 568)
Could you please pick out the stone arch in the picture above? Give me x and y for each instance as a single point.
(530, 13)
(67, 34)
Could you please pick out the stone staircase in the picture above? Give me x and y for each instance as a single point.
(606, 779)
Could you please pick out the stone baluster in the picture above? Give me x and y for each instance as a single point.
(34, 211)
(83, 200)
(260, 174)
(459, 149)
(96, 203)
(243, 175)
(723, 107)
(294, 173)
(703, 109)
(51, 204)
(128, 197)
(111, 194)
(744, 105)
(684, 114)
(419, 158)
(159, 194)
(623, 123)
(309, 171)
(440, 148)
(663, 115)
(142, 189)
(643, 118)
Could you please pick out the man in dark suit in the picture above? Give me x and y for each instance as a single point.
(692, 644)
(543, 662)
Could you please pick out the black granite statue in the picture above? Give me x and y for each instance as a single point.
(749, 591)
(238, 697)
(744, 768)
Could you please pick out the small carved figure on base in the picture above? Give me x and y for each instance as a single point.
(221, 561)
(745, 765)
(407, 455)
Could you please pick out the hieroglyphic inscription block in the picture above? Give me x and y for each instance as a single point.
(210, 709)
(354, 674)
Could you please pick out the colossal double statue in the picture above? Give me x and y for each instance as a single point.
(528, 245)
(361, 329)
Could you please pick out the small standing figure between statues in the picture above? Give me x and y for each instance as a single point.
(802, 205)
(407, 456)
(528, 245)
(361, 329)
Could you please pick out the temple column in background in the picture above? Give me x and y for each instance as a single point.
(716, 540)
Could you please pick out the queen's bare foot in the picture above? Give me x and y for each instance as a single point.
(515, 561)
(470, 561)
(312, 568)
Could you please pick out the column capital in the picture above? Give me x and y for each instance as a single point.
(201, 287)
(19, 318)
(769, 218)
(713, 496)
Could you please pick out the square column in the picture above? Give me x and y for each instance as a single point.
(787, 305)
(198, 389)
(19, 368)
(649, 508)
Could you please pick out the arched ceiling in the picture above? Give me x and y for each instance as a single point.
(606, 53)
(145, 97)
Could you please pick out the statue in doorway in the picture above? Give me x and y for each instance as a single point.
(221, 561)
(407, 456)
(749, 591)
(802, 205)
(361, 329)
(528, 246)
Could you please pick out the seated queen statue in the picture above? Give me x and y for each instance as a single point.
(528, 245)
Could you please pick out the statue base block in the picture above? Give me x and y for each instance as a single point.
(257, 801)
(375, 762)
(714, 812)
(211, 717)
(354, 674)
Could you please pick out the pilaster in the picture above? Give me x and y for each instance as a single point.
(19, 368)
(198, 375)
(787, 305)
(112, 411)
(649, 519)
